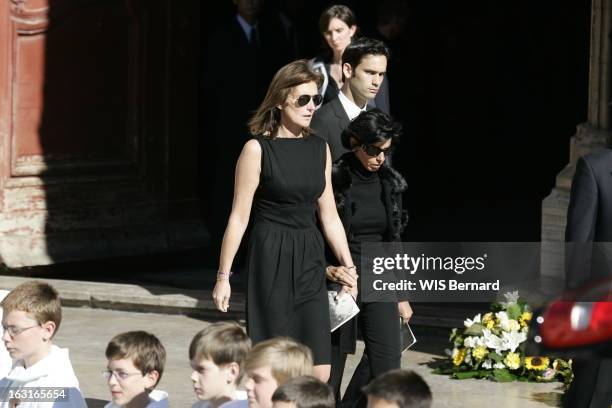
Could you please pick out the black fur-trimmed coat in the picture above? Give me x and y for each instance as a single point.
(393, 186)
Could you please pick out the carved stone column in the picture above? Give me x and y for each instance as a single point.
(593, 135)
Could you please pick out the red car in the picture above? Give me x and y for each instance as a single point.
(580, 322)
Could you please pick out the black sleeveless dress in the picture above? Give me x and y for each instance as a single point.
(286, 293)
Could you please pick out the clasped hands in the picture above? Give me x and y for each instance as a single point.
(345, 276)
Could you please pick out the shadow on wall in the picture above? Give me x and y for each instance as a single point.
(106, 128)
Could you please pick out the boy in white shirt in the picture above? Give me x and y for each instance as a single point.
(217, 355)
(136, 362)
(32, 316)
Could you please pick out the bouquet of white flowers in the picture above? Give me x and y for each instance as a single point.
(492, 346)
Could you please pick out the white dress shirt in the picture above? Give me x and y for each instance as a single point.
(349, 106)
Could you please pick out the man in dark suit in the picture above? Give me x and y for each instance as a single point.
(364, 63)
(589, 258)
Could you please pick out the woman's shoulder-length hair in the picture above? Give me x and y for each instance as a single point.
(266, 119)
(339, 11)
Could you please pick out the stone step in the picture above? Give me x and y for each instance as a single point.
(194, 302)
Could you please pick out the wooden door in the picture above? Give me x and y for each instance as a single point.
(98, 128)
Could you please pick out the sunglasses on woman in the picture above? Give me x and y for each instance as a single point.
(303, 100)
(374, 151)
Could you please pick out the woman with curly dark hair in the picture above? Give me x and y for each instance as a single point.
(368, 193)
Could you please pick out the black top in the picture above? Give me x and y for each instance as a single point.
(369, 217)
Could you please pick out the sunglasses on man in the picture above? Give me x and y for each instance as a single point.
(303, 100)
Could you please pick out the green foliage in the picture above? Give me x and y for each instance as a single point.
(495, 357)
(514, 311)
(468, 374)
(503, 375)
(474, 330)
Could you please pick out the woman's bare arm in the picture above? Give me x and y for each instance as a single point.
(248, 170)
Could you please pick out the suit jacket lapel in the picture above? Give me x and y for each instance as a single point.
(340, 112)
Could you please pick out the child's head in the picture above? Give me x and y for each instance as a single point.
(32, 315)
(303, 392)
(398, 389)
(217, 355)
(270, 364)
(135, 365)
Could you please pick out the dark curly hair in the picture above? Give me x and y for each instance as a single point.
(373, 126)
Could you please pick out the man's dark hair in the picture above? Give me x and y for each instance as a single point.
(305, 392)
(406, 388)
(361, 47)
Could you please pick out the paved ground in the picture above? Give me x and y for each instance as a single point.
(86, 331)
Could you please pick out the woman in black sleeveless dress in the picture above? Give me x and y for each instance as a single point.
(285, 175)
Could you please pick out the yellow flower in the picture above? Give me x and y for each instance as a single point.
(525, 318)
(459, 356)
(536, 363)
(512, 361)
(480, 352)
(488, 321)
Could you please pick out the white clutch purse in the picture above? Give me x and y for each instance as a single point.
(407, 338)
(341, 308)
